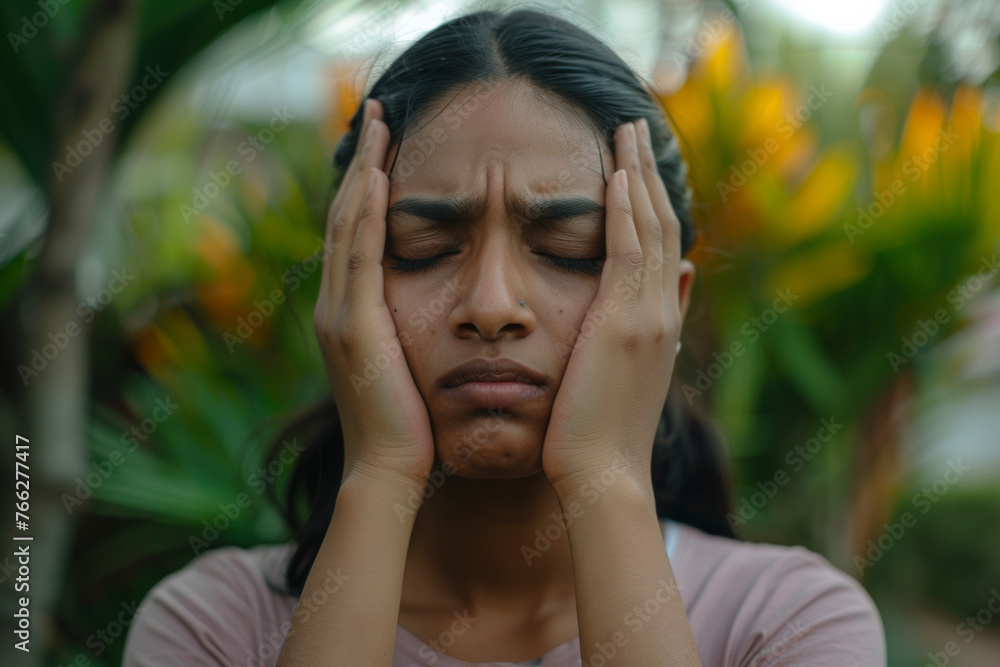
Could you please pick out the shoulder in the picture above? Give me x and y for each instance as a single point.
(775, 605)
(220, 609)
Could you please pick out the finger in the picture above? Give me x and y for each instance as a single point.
(350, 173)
(372, 155)
(664, 211)
(620, 278)
(333, 236)
(647, 224)
(364, 288)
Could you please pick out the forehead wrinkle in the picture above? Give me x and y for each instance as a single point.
(536, 201)
(544, 214)
(446, 211)
(576, 132)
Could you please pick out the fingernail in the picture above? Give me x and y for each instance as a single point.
(622, 179)
(364, 116)
(644, 130)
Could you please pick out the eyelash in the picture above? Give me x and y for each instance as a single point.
(590, 266)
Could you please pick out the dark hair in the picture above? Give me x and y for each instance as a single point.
(689, 465)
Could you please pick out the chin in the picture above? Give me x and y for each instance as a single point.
(475, 452)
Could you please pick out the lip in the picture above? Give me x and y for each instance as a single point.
(491, 370)
(495, 395)
(493, 383)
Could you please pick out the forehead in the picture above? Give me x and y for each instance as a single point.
(510, 132)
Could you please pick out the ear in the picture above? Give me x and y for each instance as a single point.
(685, 282)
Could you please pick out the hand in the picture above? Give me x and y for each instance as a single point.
(384, 419)
(608, 405)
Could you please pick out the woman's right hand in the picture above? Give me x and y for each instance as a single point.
(384, 418)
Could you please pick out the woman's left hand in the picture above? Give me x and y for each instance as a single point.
(608, 405)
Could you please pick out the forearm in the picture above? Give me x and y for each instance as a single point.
(629, 609)
(364, 553)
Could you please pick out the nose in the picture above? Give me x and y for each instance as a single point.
(494, 281)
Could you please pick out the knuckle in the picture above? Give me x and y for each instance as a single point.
(656, 257)
(351, 343)
(631, 260)
(355, 260)
(655, 229)
(629, 338)
(648, 162)
(323, 327)
(339, 220)
(657, 332)
(635, 162)
(338, 229)
(625, 208)
(675, 228)
(350, 337)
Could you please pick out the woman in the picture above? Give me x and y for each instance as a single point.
(501, 305)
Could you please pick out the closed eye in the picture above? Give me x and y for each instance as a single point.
(407, 265)
(589, 265)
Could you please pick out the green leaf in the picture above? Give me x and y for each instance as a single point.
(807, 366)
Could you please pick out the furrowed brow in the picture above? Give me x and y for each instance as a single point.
(451, 212)
(562, 208)
(446, 212)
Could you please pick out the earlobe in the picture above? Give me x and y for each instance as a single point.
(685, 283)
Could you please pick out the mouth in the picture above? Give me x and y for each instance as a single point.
(493, 383)
(495, 395)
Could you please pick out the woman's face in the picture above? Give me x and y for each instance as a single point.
(481, 170)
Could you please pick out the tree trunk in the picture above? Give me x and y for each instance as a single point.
(55, 400)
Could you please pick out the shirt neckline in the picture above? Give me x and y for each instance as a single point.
(671, 539)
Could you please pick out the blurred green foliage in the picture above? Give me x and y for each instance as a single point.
(203, 326)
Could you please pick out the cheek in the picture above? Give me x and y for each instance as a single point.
(570, 312)
(415, 324)
(411, 308)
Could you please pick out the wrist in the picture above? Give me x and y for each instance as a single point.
(590, 482)
(364, 476)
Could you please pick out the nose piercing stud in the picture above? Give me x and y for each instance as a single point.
(521, 302)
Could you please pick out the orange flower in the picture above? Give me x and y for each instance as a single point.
(230, 286)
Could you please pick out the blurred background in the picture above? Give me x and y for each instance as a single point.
(164, 178)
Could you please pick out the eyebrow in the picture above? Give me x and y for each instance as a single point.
(450, 212)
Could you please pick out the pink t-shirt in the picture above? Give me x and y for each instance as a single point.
(749, 605)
